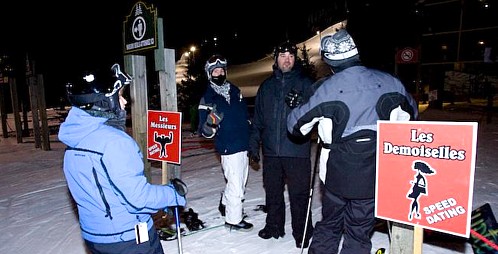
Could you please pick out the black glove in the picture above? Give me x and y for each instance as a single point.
(253, 157)
(214, 118)
(179, 186)
(212, 122)
(294, 98)
(179, 190)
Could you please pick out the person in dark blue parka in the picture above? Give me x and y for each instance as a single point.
(223, 115)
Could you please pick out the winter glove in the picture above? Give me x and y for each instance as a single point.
(214, 118)
(180, 190)
(180, 200)
(179, 186)
(294, 98)
(212, 122)
(253, 157)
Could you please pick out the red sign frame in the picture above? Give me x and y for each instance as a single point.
(425, 174)
(164, 136)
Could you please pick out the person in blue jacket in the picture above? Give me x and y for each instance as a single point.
(223, 115)
(104, 169)
(347, 105)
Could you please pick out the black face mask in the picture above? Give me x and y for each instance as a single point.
(219, 80)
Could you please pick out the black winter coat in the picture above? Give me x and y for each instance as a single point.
(270, 115)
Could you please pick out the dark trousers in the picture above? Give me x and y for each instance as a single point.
(296, 173)
(352, 217)
(153, 246)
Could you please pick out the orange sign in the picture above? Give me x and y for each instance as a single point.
(164, 136)
(425, 174)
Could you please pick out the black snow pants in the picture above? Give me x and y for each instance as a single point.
(353, 218)
(296, 173)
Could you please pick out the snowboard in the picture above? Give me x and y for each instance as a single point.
(169, 234)
(484, 223)
(167, 231)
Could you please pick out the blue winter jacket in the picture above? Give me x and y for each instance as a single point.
(233, 132)
(104, 170)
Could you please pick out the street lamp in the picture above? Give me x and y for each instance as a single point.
(192, 49)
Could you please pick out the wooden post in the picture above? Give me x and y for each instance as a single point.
(167, 86)
(3, 110)
(45, 132)
(15, 109)
(165, 66)
(401, 239)
(135, 65)
(418, 239)
(33, 95)
(30, 70)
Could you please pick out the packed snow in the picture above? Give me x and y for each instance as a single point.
(37, 214)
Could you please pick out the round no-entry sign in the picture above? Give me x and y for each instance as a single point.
(407, 55)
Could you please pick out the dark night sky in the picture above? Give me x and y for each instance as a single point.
(78, 31)
(65, 38)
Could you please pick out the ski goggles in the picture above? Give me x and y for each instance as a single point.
(286, 47)
(217, 61)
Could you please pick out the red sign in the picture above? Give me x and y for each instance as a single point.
(407, 55)
(164, 136)
(425, 174)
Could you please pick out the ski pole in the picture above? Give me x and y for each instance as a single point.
(178, 231)
(312, 184)
(181, 189)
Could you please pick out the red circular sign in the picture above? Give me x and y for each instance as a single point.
(407, 55)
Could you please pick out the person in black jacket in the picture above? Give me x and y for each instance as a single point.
(286, 159)
(223, 115)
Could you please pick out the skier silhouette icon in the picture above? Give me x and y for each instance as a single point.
(419, 187)
(163, 140)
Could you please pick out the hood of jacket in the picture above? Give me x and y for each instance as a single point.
(78, 124)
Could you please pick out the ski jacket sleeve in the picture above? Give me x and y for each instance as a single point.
(256, 124)
(204, 110)
(122, 162)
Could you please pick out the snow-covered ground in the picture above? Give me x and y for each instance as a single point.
(38, 216)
